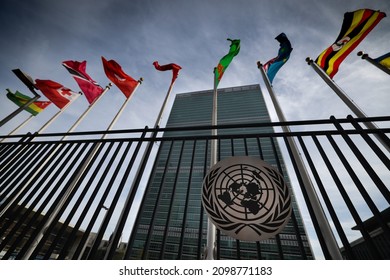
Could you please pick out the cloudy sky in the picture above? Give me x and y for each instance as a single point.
(37, 35)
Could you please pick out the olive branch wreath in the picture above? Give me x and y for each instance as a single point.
(270, 225)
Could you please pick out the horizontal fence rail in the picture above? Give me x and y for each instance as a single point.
(79, 198)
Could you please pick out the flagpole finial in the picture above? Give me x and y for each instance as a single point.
(309, 60)
(140, 80)
(259, 64)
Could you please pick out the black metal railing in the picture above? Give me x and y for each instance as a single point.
(76, 195)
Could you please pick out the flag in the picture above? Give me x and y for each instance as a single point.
(355, 28)
(225, 61)
(89, 87)
(172, 66)
(119, 78)
(55, 92)
(273, 65)
(20, 99)
(384, 60)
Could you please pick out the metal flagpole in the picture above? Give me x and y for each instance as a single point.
(87, 111)
(308, 185)
(113, 122)
(159, 117)
(116, 235)
(20, 109)
(17, 111)
(52, 119)
(54, 151)
(344, 97)
(211, 230)
(373, 62)
(27, 80)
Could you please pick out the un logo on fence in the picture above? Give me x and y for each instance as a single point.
(246, 198)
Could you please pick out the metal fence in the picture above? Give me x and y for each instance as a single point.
(74, 196)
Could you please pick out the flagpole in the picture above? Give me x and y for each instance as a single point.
(307, 183)
(87, 111)
(133, 189)
(17, 111)
(27, 80)
(159, 117)
(26, 121)
(344, 97)
(373, 62)
(113, 122)
(52, 119)
(211, 230)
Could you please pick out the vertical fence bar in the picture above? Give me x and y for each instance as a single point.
(308, 204)
(258, 244)
(277, 237)
(202, 216)
(165, 235)
(293, 220)
(298, 235)
(184, 222)
(133, 190)
(326, 198)
(258, 249)
(381, 155)
(159, 194)
(138, 217)
(238, 249)
(218, 249)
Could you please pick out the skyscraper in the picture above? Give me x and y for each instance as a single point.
(171, 223)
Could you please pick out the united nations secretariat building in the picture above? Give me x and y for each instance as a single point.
(171, 223)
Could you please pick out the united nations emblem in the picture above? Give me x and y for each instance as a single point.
(246, 198)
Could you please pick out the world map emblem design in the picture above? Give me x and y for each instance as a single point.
(246, 198)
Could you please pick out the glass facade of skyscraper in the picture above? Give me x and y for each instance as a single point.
(171, 223)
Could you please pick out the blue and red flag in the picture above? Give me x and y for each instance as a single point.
(273, 65)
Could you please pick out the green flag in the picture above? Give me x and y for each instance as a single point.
(225, 61)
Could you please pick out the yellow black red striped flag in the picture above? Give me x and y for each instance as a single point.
(356, 26)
